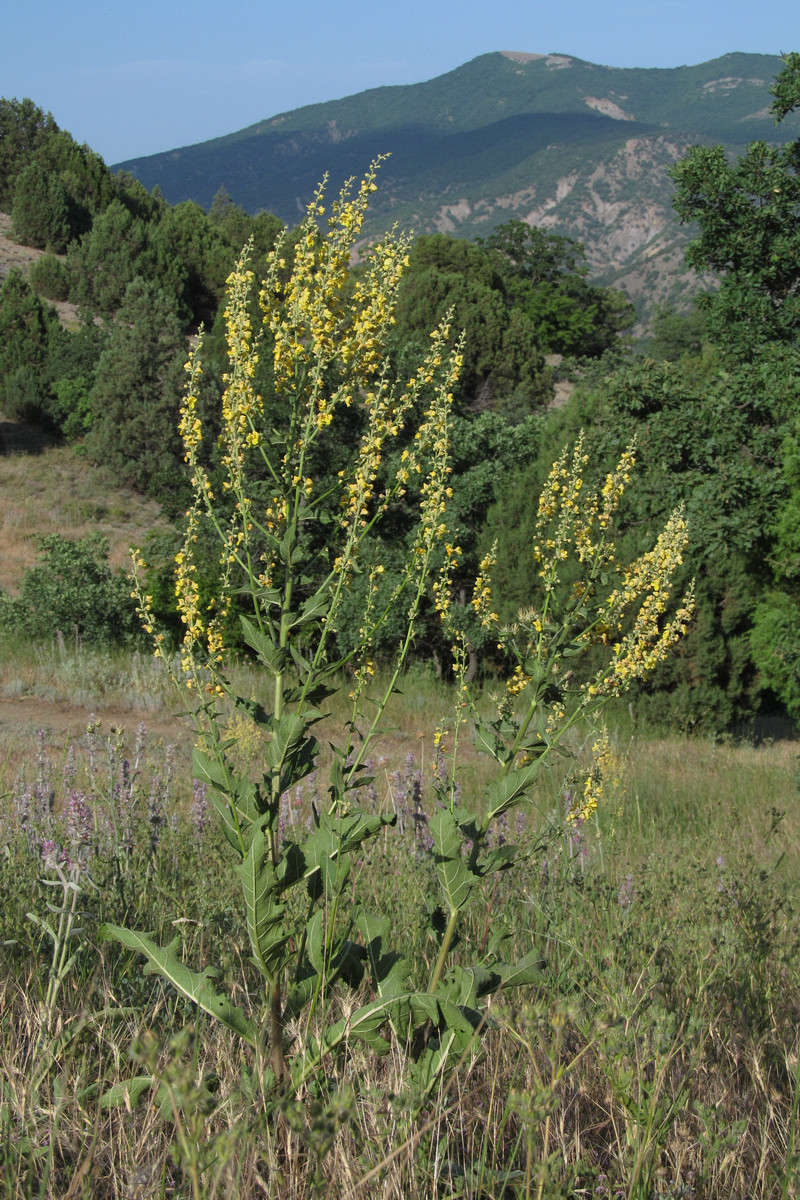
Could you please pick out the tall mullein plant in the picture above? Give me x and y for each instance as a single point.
(627, 610)
(327, 340)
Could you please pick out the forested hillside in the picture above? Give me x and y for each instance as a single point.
(712, 401)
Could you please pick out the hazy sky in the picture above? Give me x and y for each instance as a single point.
(133, 77)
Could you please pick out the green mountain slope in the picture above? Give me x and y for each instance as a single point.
(578, 148)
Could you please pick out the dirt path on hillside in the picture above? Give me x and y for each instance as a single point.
(31, 713)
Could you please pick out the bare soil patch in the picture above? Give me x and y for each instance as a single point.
(13, 255)
(28, 714)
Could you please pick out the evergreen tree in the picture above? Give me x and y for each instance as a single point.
(23, 129)
(26, 327)
(136, 198)
(503, 360)
(192, 259)
(40, 211)
(109, 258)
(136, 395)
(85, 178)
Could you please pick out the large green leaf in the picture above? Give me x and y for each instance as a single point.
(527, 970)
(236, 800)
(455, 878)
(130, 1093)
(293, 750)
(194, 985)
(275, 658)
(492, 738)
(314, 608)
(335, 837)
(388, 968)
(264, 914)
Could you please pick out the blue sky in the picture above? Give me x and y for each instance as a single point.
(134, 77)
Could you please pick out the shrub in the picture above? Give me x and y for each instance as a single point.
(49, 277)
(73, 590)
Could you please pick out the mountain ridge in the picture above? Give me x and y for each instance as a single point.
(576, 147)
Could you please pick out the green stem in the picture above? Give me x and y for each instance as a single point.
(444, 950)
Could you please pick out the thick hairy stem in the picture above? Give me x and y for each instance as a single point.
(274, 991)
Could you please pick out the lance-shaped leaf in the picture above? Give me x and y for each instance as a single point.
(455, 878)
(264, 914)
(365, 1024)
(490, 738)
(503, 794)
(344, 959)
(255, 711)
(502, 858)
(335, 837)
(194, 985)
(314, 608)
(236, 800)
(132, 1091)
(299, 995)
(287, 735)
(292, 752)
(275, 658)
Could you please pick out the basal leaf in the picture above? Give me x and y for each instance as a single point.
(388, 968)
(527, 970)
(194, 985)
(132, 1091)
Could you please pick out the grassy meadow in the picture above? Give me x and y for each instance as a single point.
(658, 1057)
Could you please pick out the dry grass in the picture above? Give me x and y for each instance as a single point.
(54, 490)
(658, 1060)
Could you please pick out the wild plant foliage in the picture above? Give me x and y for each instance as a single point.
(292, 536)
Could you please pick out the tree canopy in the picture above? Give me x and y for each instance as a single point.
(749, 217)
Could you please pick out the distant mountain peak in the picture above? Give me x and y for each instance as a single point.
(520, 56)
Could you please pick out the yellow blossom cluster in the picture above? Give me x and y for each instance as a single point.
(646, 639)
(629, 610)
(482, 591)
(310, 318)
(241, 405)
(603, 777)
(593, 520)
(443, 584)
(189, 425)
(435, 490)
(326, 329)
(573, 521)
(517, 681)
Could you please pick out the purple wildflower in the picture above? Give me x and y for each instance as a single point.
(79, 826)
(625, 893)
